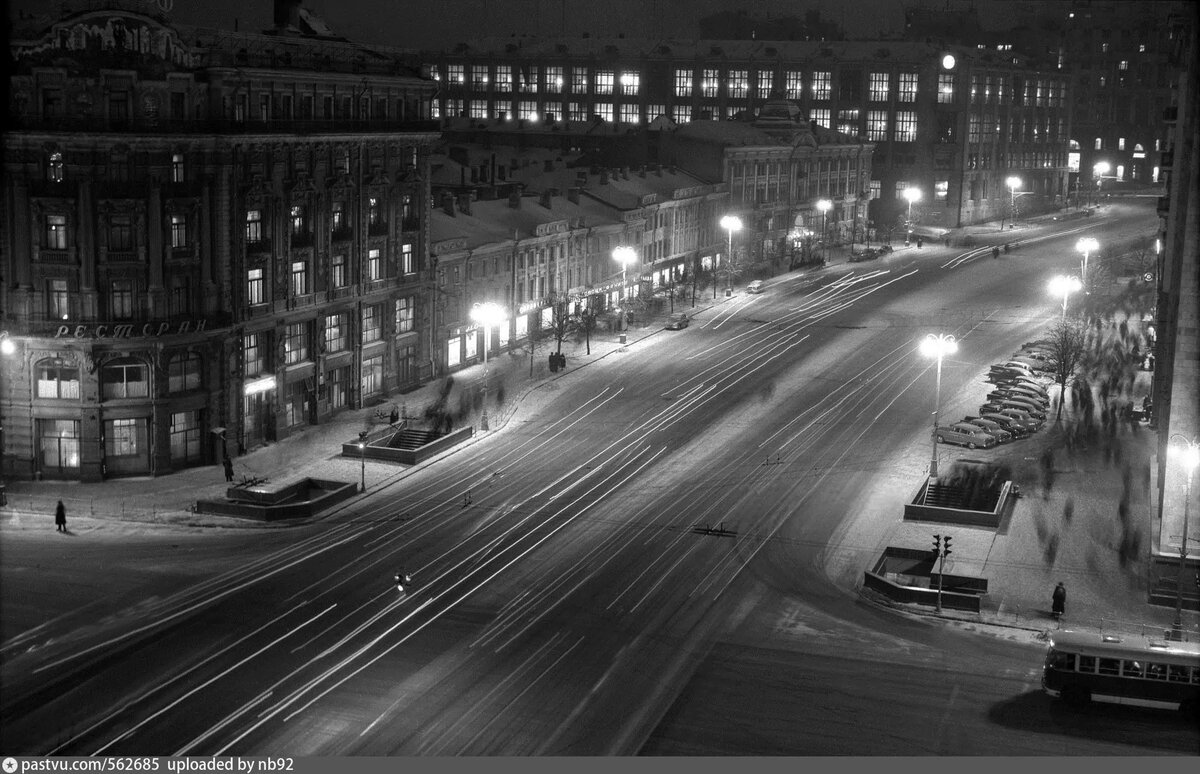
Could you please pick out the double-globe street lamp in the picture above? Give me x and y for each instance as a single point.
(1189, 455)
(1065, 286)
(730, 223)
(1086, 245)
(937, 345)
(486, 314)
(912, 195)
(824, 205)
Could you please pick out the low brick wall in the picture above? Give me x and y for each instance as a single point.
(917, 595)
(334, 492)
(382, 451)
(959, 592)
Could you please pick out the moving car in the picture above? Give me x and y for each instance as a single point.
(677, 321)
(757, 286)
(991, 428)
(965, 434)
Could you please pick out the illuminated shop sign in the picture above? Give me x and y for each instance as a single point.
(259, 385)
(128, 330)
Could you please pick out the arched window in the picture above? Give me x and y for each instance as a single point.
(184, 372)
(1099, 144)
(57, 379)
(54, 167)
(125, 378)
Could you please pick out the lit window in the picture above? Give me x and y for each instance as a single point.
(503, 78)
(879, 87)
(479, 76)
(877, 125)
(941, 190)
(406, 314)
(299, 221)
(57, 379)
(554, 79)
(710, 83)
(372, 328)
(179, 231)
(579, 80)
(337, 217)
(255, 287)
(820, 116)
(252, 353)
(374, 211)
(183, 372)
(56, 232)
(299, 278)
(454, 74)
(1123, 64)
(295, 344)
(1141, 48)
(178, 174)
(186, 436)
(739, 83)
(906, 126)
(254, 229)
(1120, 143)
(683, 83)
(1099, 144)
(821, 84)
(337, 332)
(631, 82)
(793, 84)
(604, 81)
(126, 378)
(906, 90)
(374, 265)
(630, 114)
(54, 167)
(945, 88)
(123, 437)
(765, 80)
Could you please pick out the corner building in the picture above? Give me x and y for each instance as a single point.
(210, 239)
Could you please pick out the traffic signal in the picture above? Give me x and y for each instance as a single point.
(937, 545)
(946, 549)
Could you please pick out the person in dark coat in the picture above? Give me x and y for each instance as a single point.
(60, 517)
(1059, 599)
(228, 468)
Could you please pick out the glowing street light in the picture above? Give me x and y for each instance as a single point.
(937, 345)
(1013, 184)
(362, 457)
(1189, 455)
(824, 205)
(1086, 245)
(1065, 286)
(486, 314)
(1100, 170)
(730, 223)
(913, 195)
(625, 256)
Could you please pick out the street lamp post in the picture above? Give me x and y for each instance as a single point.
(1189, 454)
(912, 195)
(1065, 286)
(624, 256)
(1086, 245)
(1099, 170)
(824, 205)
(362, 458)
(486, 315)
(1013, 184)
(730, 223)
(937, 345)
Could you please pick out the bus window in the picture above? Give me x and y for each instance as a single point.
(1132, 669)
(1087, 664)
(1156, 671)
(1110, 666)
(1177, 674)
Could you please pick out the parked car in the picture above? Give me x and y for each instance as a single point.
(1030, 407)
(1018, 429)
(1013, 391)
(965, 434)
(864, 255)
(757, 286)
(1038, 365)
(988, 411)
(1014, 365)
(1000, 373)
(991, 428)
(1028, 391)
(677, 321)
(1015, 379)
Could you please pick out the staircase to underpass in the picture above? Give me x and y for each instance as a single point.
(412, 438)
(942, 496)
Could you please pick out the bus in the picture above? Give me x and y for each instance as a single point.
(1123, 669)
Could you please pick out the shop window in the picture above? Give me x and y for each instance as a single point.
(57, 379)
(58, 443)
(183, 372)
(185, 437)
(124, 437)
(125, 378)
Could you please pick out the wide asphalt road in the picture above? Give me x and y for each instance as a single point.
(564, 598)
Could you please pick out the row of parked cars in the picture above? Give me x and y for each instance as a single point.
(1016, 406)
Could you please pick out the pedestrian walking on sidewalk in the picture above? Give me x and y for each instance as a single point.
(60, 517)
(228, 468)
(1058, 601)
(995, 252)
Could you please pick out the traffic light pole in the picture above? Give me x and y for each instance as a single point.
(941, 550)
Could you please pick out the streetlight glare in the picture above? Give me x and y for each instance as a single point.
(1101, 167)
(824, 205)
(912, 194)
(731, 223)
(1013, 182)
(487, 313)
(1087, 245)
(7, 347)
(1189, 454)
(938, 346)
(1062, 285)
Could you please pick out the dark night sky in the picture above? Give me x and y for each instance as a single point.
(439, 23)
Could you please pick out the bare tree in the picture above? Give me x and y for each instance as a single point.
(562, 324)
(1067, 344)
(585, 323)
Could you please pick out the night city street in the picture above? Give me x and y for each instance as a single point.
(693, 378)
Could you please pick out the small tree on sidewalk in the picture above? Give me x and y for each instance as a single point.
(1066, 350)
(562, 324)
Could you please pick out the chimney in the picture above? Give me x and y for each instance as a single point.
(514, 200)
(464, 203)
(604, 177)
(287, 14)
(545, 199)
(573, 195)
(448, 203)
